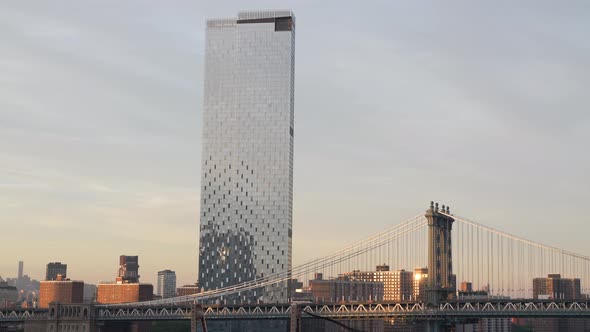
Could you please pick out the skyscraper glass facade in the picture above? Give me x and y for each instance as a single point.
(166, 283)
(247, 161)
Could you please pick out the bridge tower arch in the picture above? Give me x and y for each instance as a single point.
(441, 281)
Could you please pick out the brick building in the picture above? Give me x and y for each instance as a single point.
(188, 290)
(124, 292)
(129, 268)
(397, 285)
(126, 287)
(345, 289)
(61, 290)
(556, 287)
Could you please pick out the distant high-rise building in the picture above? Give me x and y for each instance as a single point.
(129, 269)
(421, 284)
(53, 269)
(19, 279)
(556, 287)
(20, 269)
(166, 283)
(60, 290)
(247, 155)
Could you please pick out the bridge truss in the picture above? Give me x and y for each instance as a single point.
(419, 311)
(455, 310)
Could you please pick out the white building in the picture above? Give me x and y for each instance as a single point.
(247, 161)
(166, 284)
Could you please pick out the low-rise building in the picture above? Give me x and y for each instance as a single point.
(126, 287)
(397, 285)
(8, 296)
(421, 284)
(124, 293)
(62, 290)
(345, 289)
(556, 287)
(466, 287)
(302, 295)
(188, 290)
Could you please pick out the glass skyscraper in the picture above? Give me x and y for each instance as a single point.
(166, 283)
(247, 161)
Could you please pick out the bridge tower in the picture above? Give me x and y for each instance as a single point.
(441, 281)
(198, 316)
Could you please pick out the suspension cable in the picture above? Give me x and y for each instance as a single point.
(355, 250)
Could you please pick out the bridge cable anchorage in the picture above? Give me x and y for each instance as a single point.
(356, 249)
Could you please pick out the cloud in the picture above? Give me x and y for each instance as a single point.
(100, 120)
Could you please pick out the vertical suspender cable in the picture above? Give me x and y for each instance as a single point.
(478, 259)
(472, 253)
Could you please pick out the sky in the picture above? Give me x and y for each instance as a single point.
(480, 105)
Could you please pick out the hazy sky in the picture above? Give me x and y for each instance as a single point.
(483, 106)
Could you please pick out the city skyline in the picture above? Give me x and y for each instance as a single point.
(502, 131)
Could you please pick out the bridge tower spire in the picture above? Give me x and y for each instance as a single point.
(441, 281)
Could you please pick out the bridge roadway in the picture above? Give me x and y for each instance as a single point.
(455, 310)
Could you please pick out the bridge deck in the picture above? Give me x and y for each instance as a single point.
(415, 311)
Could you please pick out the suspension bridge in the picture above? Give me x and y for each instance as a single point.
(454, 249)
